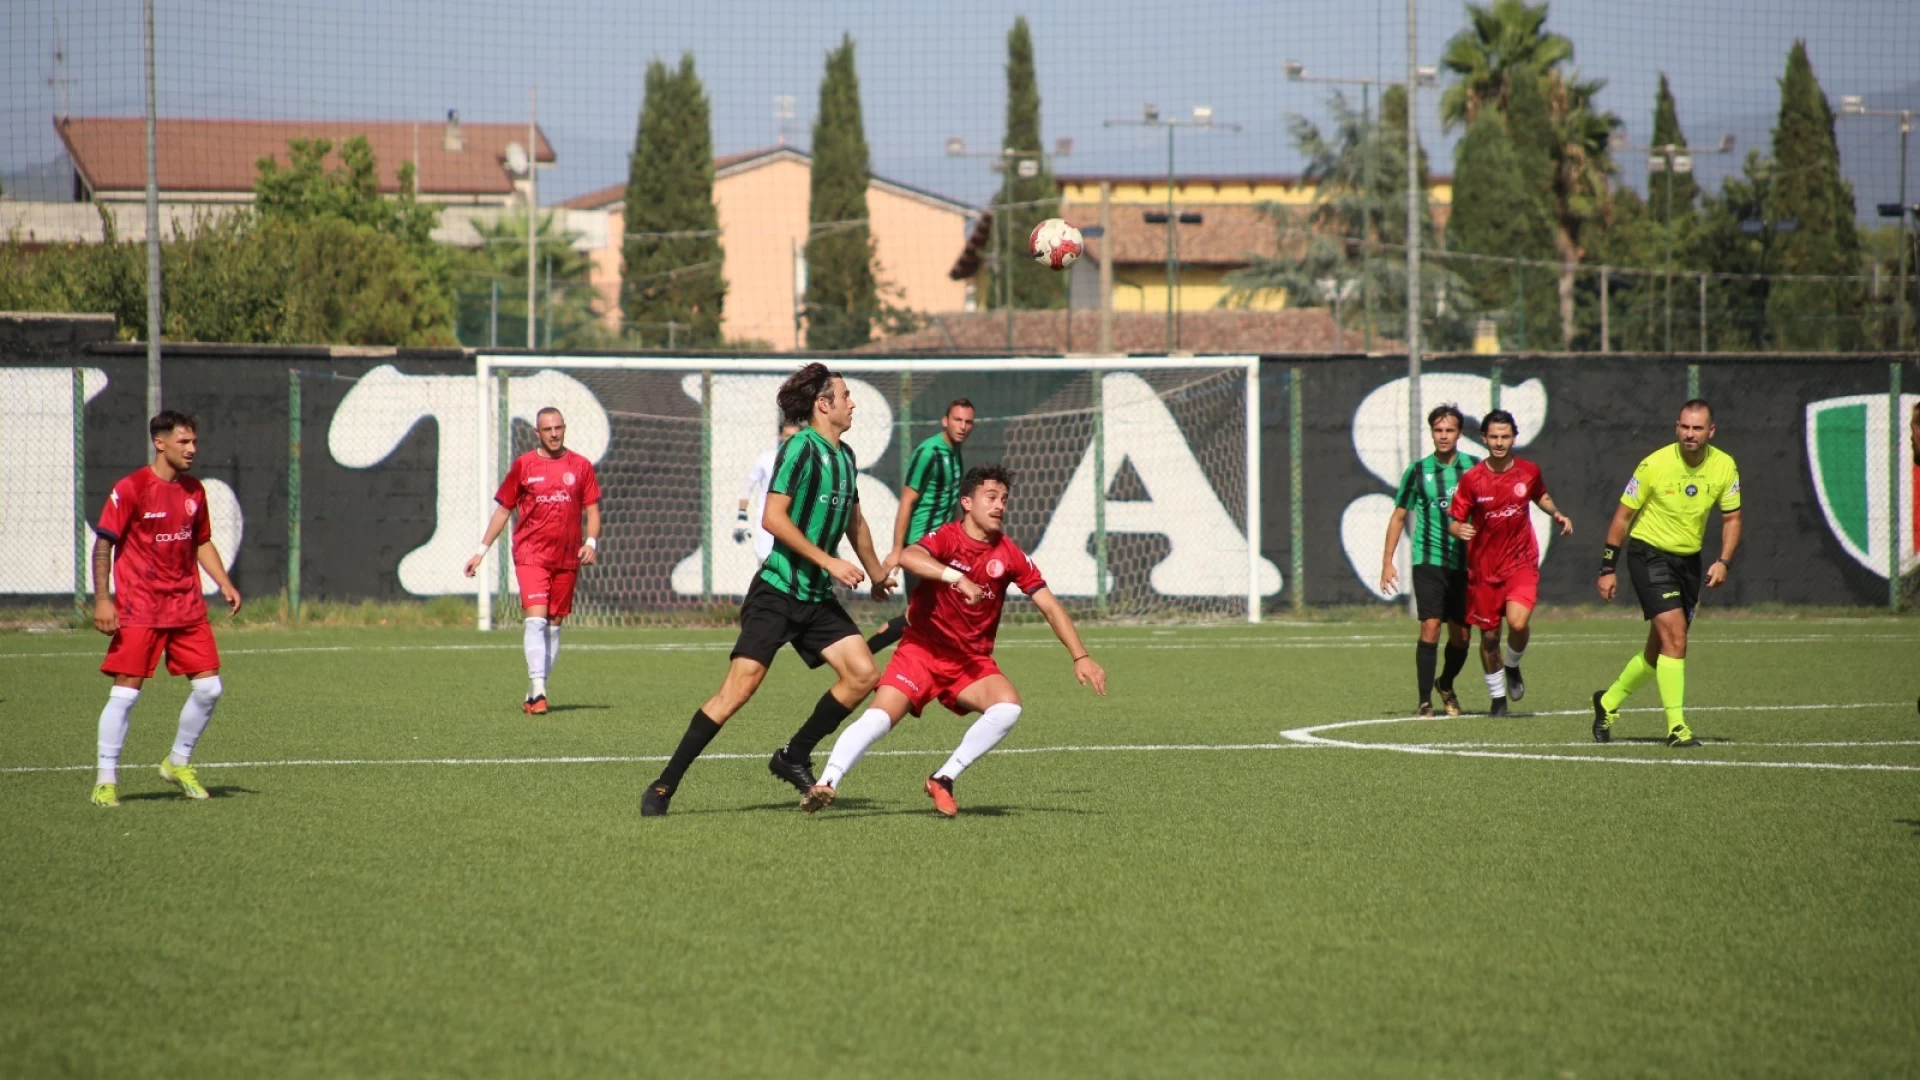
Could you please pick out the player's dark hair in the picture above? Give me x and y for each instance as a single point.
(802, 389)
(545, 411)
(958, 403)
(1499, 416)
(1459, 418)
(1699, 403)
(169, 419)
(980, 474)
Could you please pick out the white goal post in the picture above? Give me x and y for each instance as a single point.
(1137, 478)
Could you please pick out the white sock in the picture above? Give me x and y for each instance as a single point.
(553, 646)
(113, 732)
(533, 641)
(195, 715)
(1497, 683)
(984, 735)
(1511, 654)
(854, 743)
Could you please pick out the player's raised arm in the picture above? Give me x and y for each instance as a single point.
(494, 526)
(1085, 669)
(921, 563)
(777, 519)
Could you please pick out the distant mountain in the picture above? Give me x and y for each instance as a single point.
(49, 181)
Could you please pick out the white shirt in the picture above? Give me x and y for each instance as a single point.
(755, 493)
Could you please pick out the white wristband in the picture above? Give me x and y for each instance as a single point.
(593, 542)
(481, 551)
(949, 575)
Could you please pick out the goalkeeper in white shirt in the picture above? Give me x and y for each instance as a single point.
(753, 499)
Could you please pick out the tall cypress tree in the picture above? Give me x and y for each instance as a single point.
(1034, 286)
(1535, 295)
(671, 254)
(1809, 190)
(1666, 132)
(841, 297)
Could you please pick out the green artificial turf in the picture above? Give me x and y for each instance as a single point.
(400, 876)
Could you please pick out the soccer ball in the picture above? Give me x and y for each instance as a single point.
(1055, 244)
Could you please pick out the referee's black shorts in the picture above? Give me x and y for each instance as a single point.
(1662, 580)
(770, 618)
(1440, 593)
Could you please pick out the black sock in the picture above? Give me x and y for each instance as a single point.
(700, 732)
(888, 634)
(827, 714)
(1424, 654)
(1456, 658)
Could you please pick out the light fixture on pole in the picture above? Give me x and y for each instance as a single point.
(1669, 159)
(1853, 105)
(1202, 120)
(1426, 76)
(1026, 165)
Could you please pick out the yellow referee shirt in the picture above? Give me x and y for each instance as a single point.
(1673, 498)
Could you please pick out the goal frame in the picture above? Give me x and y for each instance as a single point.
(492, 460)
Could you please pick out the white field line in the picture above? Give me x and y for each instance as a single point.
(1607, 755)
(623, 759)
(1355, 642)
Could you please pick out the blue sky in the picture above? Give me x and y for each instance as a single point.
(928, 70)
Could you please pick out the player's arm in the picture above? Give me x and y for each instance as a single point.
(209, 558)
(1085, 670)
(1729, 543)
(498, 522)
(777, 519)
(922, 564)
(756, 478)
(106, 618)
(1545, 502)
(1458, 511)
(590, 547)
(1610, 555)
(862, 538)
(1389, 575)
(902, 518)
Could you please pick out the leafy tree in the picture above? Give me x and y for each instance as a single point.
(1666, 132)
(567, 303)
(307, 190)
(1739, 233)
(1034, 286)
(1809, 189)
(841, 298)
(672, 257)
(1496, 213)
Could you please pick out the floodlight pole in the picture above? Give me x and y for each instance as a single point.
(1007, 163)
(1150, 117)
(1854, 105)
(1414, 195)
(533, 203)
(153, 220)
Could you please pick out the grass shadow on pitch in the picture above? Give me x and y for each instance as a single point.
(985, 811)
(1914, 822)
(577, 708)
(215, 791)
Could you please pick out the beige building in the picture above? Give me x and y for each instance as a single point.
(761, 199)
(1233, 230)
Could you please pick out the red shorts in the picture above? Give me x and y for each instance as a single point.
(135, 650)
(1487, 600)
(923, 675)
(552, 589)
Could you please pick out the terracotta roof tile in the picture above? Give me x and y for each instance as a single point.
(221, 155)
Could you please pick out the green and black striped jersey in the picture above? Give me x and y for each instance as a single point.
(820, 478)
(934, 471)
(1425, 492)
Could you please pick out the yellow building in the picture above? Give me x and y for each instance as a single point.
(761, 200)
(1230, 232)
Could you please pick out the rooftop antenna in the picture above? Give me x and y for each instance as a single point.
(58, 80)
(783, 116)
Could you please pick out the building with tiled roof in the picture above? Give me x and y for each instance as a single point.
(1220, 331)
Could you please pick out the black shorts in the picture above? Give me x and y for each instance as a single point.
(770, 618)
(1440, 593)
(1662, 580)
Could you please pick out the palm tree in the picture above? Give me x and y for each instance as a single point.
(1506, 37)
(1583, 170)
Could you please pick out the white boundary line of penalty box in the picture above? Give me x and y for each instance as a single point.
(485, 364)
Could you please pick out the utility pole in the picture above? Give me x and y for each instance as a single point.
(533, 202)
(1855, 105)
(153, 222)
(1202, 120)
(1414, 197)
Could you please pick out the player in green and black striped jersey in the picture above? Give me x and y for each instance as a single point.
(928, 499)
(812, 503)
(1439, 558)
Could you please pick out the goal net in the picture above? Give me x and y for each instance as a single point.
(1136, 479)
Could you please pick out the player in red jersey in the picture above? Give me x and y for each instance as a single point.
(1489, 512)
(946, 652)
(549, 486)
(154, 538)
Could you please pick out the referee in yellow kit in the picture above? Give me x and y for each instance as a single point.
(1666, 504)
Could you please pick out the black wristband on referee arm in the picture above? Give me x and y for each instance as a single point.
(1608, 556)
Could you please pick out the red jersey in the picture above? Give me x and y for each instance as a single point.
(156, 527)
(939, 618)
(549, 495)
(1495, 504)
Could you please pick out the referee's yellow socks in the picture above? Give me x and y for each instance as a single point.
(1632, 677)
(1672, 673)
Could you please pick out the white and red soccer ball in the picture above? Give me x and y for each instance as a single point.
(1055, 244)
